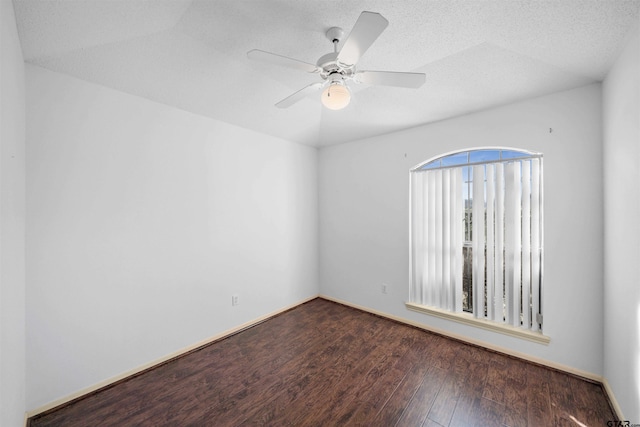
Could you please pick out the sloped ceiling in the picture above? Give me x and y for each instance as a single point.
(191, 54)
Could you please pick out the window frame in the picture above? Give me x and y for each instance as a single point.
(512, 155)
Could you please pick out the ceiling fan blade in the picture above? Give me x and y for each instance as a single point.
(391, 78)
(292, 99)
(366, 30)
(284, 61)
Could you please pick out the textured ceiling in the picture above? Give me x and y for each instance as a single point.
(192, 55)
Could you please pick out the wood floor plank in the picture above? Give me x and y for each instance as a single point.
(325, 364)
(516, 407)
(397, 403)
(476, 411)
(420, 404)
(375, 405)
(588, 403)
(445, 403)
(429, 423)
(414, 375)
(538, 405)
(464, 414)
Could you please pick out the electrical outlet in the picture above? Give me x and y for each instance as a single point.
(235, 299)
(384, 288)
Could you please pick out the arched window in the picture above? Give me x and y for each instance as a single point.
(476, 235)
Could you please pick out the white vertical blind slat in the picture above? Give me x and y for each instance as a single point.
(446, 238)
(513, 223)
(478, 241)
(439, 236)
(517, 244)
(535, 242)
(458, 227)
(510, 214)
(526, 244)
(490, 242)
(499, 246)
(413, 237)
(421, 211)
(541, 184)
(431, 237)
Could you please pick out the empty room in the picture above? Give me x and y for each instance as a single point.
(416, 213)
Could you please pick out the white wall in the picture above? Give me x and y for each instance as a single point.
(142, 221)
(364, 199)
(621, 98)
(12, 219)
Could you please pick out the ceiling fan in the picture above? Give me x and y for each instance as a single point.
(339, 67)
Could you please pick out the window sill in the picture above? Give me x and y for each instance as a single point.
(468, 319)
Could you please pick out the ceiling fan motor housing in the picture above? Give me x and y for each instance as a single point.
(330, 65)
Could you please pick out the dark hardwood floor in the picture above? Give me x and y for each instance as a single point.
(324, 364)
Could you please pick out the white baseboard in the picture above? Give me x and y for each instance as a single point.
(137, 370)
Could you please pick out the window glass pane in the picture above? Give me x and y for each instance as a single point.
(431, 165)
(467, 174)
(484, 156)
(510, 154)
(455, 159)
(467, 271)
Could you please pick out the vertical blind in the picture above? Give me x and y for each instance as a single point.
(437, 209)
(505, 207)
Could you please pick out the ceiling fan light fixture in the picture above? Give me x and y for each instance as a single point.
(336, 96)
